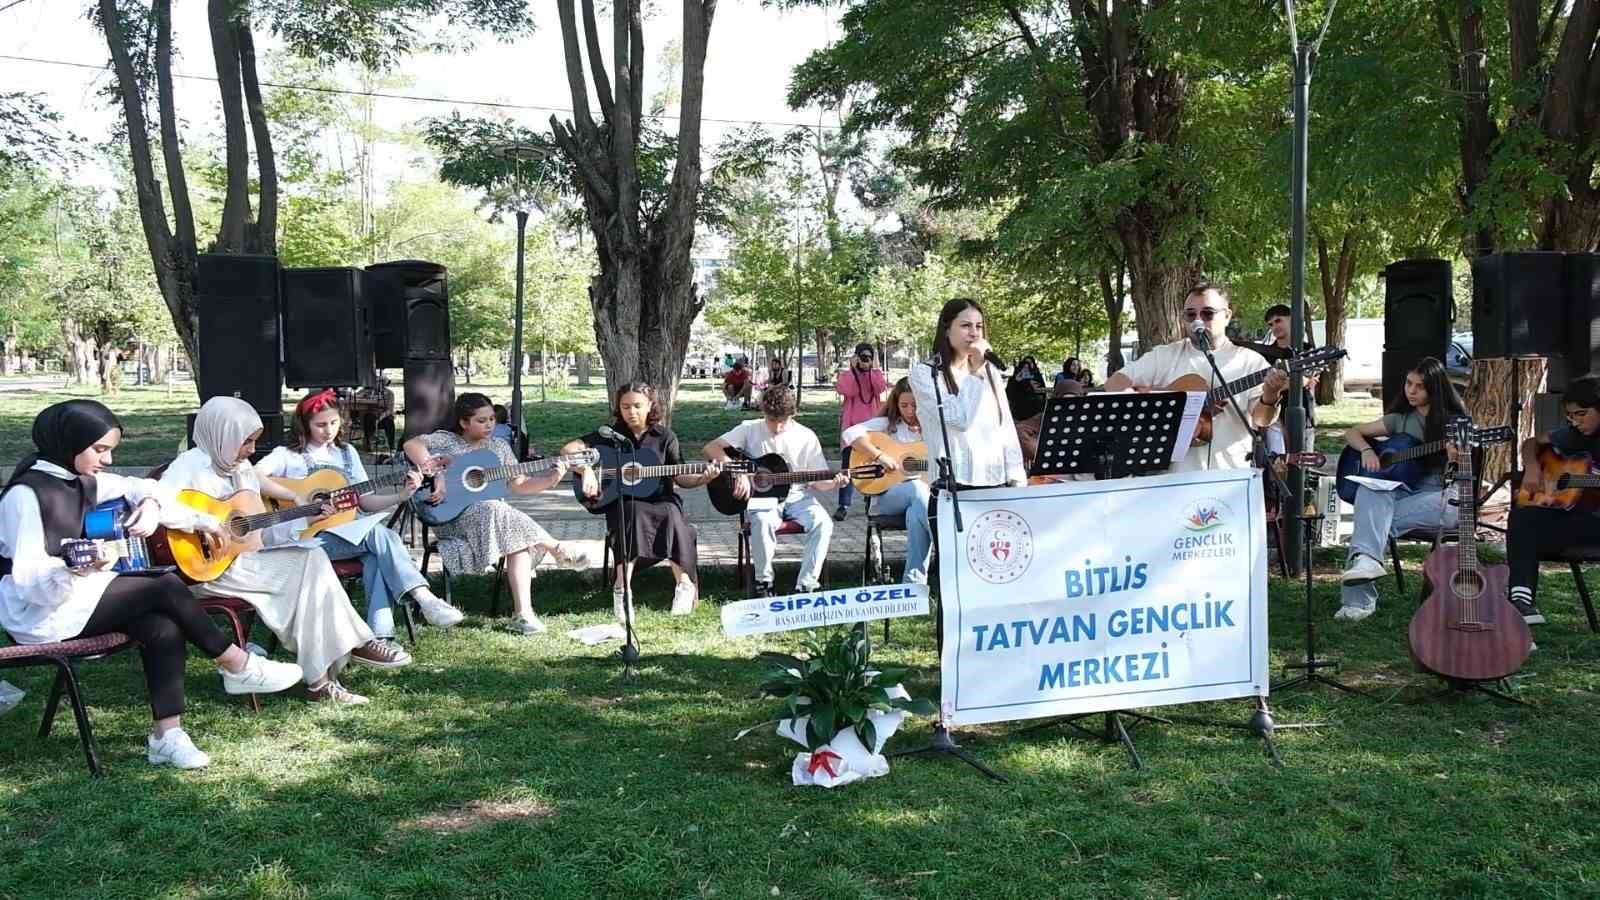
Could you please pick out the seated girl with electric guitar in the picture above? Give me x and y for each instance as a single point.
(489, 531)
(48, 592)
(1428, 403)
(1557, 504)
(292, 588)
(899, 421)
(659, 528)
(388, 575)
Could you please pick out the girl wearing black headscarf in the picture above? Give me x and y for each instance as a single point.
(42, 601)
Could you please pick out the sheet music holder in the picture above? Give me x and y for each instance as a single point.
(1112, 435)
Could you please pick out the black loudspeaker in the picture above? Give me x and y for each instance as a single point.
(1583, 315)
(236, 300)
(1418, 306)
(327, 329)
(423, 308)
(1519, 305)
(386, 297)
(1396, 363)
(430, 386)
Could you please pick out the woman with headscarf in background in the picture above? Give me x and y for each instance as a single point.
(42, 600)
(291, 587)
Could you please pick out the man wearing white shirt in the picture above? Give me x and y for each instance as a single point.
(777, 432)
(1230, 444)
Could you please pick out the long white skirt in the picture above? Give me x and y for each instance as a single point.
(295, 593)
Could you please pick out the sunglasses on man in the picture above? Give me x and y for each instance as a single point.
(1208, 313)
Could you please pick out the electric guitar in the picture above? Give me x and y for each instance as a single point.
(105, 536)
(1466, 630)
(480, 475)
(200, 558)
(1568, 482)
(769, 477)
(1217, 397)
(911, 459)
(321, 484)
(1398, 456)
(640, 476)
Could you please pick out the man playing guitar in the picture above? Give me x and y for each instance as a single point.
(1536, 529)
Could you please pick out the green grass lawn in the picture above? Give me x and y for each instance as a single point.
(499, 766)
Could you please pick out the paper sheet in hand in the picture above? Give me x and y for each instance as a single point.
(1377, 484)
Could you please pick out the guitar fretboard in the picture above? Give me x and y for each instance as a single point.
(656, 471)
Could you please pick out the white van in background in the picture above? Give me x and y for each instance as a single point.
(1363, 341)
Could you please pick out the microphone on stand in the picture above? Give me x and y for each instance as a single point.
(614, 436)
(1199, 336)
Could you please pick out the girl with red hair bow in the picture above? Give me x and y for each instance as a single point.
(388, 575)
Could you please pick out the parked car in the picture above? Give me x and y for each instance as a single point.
(1458, 360)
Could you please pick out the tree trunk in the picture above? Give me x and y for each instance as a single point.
(171, 259)
(231, 231)
(266, 227)
(1489, 402)
(110, 377)
(1111, 294)
(1158, 291)
(584, 361)
(1336, 279)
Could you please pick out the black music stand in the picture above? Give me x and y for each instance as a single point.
(1109, 435)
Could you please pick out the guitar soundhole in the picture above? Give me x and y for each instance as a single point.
(630, 474)
(1467, 585)
(473, 479)
(761, 482)
(237, 529)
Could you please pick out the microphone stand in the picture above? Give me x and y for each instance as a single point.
(630, 644)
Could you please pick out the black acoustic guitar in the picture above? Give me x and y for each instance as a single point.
(769, 477)
(639, 477)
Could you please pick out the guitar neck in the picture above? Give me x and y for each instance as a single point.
(1221, 393)
(373, 485)
(659, 471)
(1579, 481)
(1467, 522)
(798, 477)
(258, 521)
(500, 473)
(1418, 451)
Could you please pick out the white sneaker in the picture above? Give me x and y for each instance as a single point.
(261, 676)
(618, 602)
(1353, 613)
(683, 597)
(1364, 569)
(574, 558)
(175, 749)
(800, 587)
(528, 626)
(437, 612)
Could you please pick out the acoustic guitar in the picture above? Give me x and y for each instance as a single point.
(769, 477)
(242, 516)
(1568, 482)
(321, 484)
(640, 476)
(106, 537)
(911, 460)
(480, 475)
(1399, 455)
(1466, 629)
(1217, 397)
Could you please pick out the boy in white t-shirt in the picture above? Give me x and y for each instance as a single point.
(777, 432)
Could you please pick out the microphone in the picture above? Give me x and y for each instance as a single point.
(614, 436)
(995, 360)
(1199, 336)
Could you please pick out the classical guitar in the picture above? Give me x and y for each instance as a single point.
(1568, 482)
(1217, 397)
(1399, 458)
(105, 536)
(769, 477)
(639, 476)
(1466, 629)
(322, 484)
(480, 475)
(911, 459)
(242, 516)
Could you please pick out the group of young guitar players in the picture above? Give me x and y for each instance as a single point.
(288, 578)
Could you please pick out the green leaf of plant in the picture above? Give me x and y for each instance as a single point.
(868, 733)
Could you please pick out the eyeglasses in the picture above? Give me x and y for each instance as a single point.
(1208, 313)
(864, 357)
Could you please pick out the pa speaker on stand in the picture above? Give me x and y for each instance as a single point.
(236, 302)
(1418, 312)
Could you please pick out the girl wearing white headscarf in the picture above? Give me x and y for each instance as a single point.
(292, 588)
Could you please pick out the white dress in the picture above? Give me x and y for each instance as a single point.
(292, 588)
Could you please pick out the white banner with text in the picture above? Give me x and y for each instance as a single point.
(1090, 596)
(840, 606)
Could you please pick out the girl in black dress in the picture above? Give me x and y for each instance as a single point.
(660, 529)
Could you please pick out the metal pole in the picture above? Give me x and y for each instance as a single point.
(1294, 417)
(516, 340)
(799, 323)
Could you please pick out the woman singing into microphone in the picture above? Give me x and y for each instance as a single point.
(982, 445)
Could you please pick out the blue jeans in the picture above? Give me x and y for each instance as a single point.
(387, 572)
(1382, 514)
(911, 498)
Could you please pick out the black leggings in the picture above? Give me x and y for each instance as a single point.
(161, 615)
(1535, 530)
